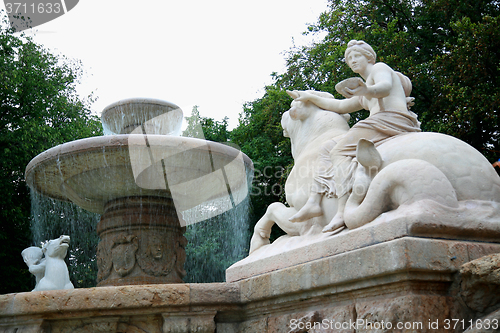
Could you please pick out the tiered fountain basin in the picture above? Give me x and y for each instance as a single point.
(141, 183)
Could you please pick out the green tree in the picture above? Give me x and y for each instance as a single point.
(449, 49)
(39, 108)
(468, 100)
(206, 128)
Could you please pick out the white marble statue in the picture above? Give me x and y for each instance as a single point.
(308, 128)
(385, 95)
(380, 168)
(50, 271)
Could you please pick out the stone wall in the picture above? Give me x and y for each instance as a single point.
(407, 284)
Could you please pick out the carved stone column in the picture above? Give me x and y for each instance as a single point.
(141, 242)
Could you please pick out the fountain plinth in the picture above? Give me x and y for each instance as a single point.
(141, 178)
(142, 242)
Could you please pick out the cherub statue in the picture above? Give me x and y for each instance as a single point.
(385, 93)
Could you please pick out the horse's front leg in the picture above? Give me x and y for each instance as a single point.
(275, 213)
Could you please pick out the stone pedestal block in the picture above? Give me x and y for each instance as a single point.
(406, 284)
(141, 242)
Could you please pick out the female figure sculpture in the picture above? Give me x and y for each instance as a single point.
(385, 93)
(354, 181)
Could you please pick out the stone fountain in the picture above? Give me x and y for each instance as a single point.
(141, 178)
(414, 248)
(409, 270)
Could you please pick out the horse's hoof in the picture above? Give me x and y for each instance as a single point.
(257, 242)
(336, 231)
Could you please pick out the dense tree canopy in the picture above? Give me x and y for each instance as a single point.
(450, 49)
(39, 108)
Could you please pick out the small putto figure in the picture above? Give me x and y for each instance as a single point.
(50, 271)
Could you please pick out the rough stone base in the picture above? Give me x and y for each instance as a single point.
(402, 285)
(288, 251)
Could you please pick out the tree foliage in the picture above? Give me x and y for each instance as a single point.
(39, 108)
(448, 48)
(206, 128)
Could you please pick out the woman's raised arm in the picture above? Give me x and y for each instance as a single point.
(327, 103)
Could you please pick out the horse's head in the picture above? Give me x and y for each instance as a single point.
(300, 110)
(56, 248)
(305, 122)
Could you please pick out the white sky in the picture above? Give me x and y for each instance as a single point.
(215, 54)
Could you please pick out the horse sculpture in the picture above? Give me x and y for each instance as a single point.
(56, 272)
(308, 127)
(407, 170)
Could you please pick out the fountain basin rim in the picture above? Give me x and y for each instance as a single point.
(124, 116)
(121, 140)
(112, 145)
(141, 100)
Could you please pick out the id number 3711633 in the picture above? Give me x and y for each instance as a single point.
(40, 8)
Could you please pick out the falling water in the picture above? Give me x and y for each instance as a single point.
(51, 218)
(216, 244)
(221, 240)
(213, 244)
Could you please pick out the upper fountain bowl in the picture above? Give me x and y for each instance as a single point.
(146, 115)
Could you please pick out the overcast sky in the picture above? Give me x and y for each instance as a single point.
(215, 54)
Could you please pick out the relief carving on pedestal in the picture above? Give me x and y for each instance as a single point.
(155, 254)
(123, 254)
(104, 262)
(119, 253)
